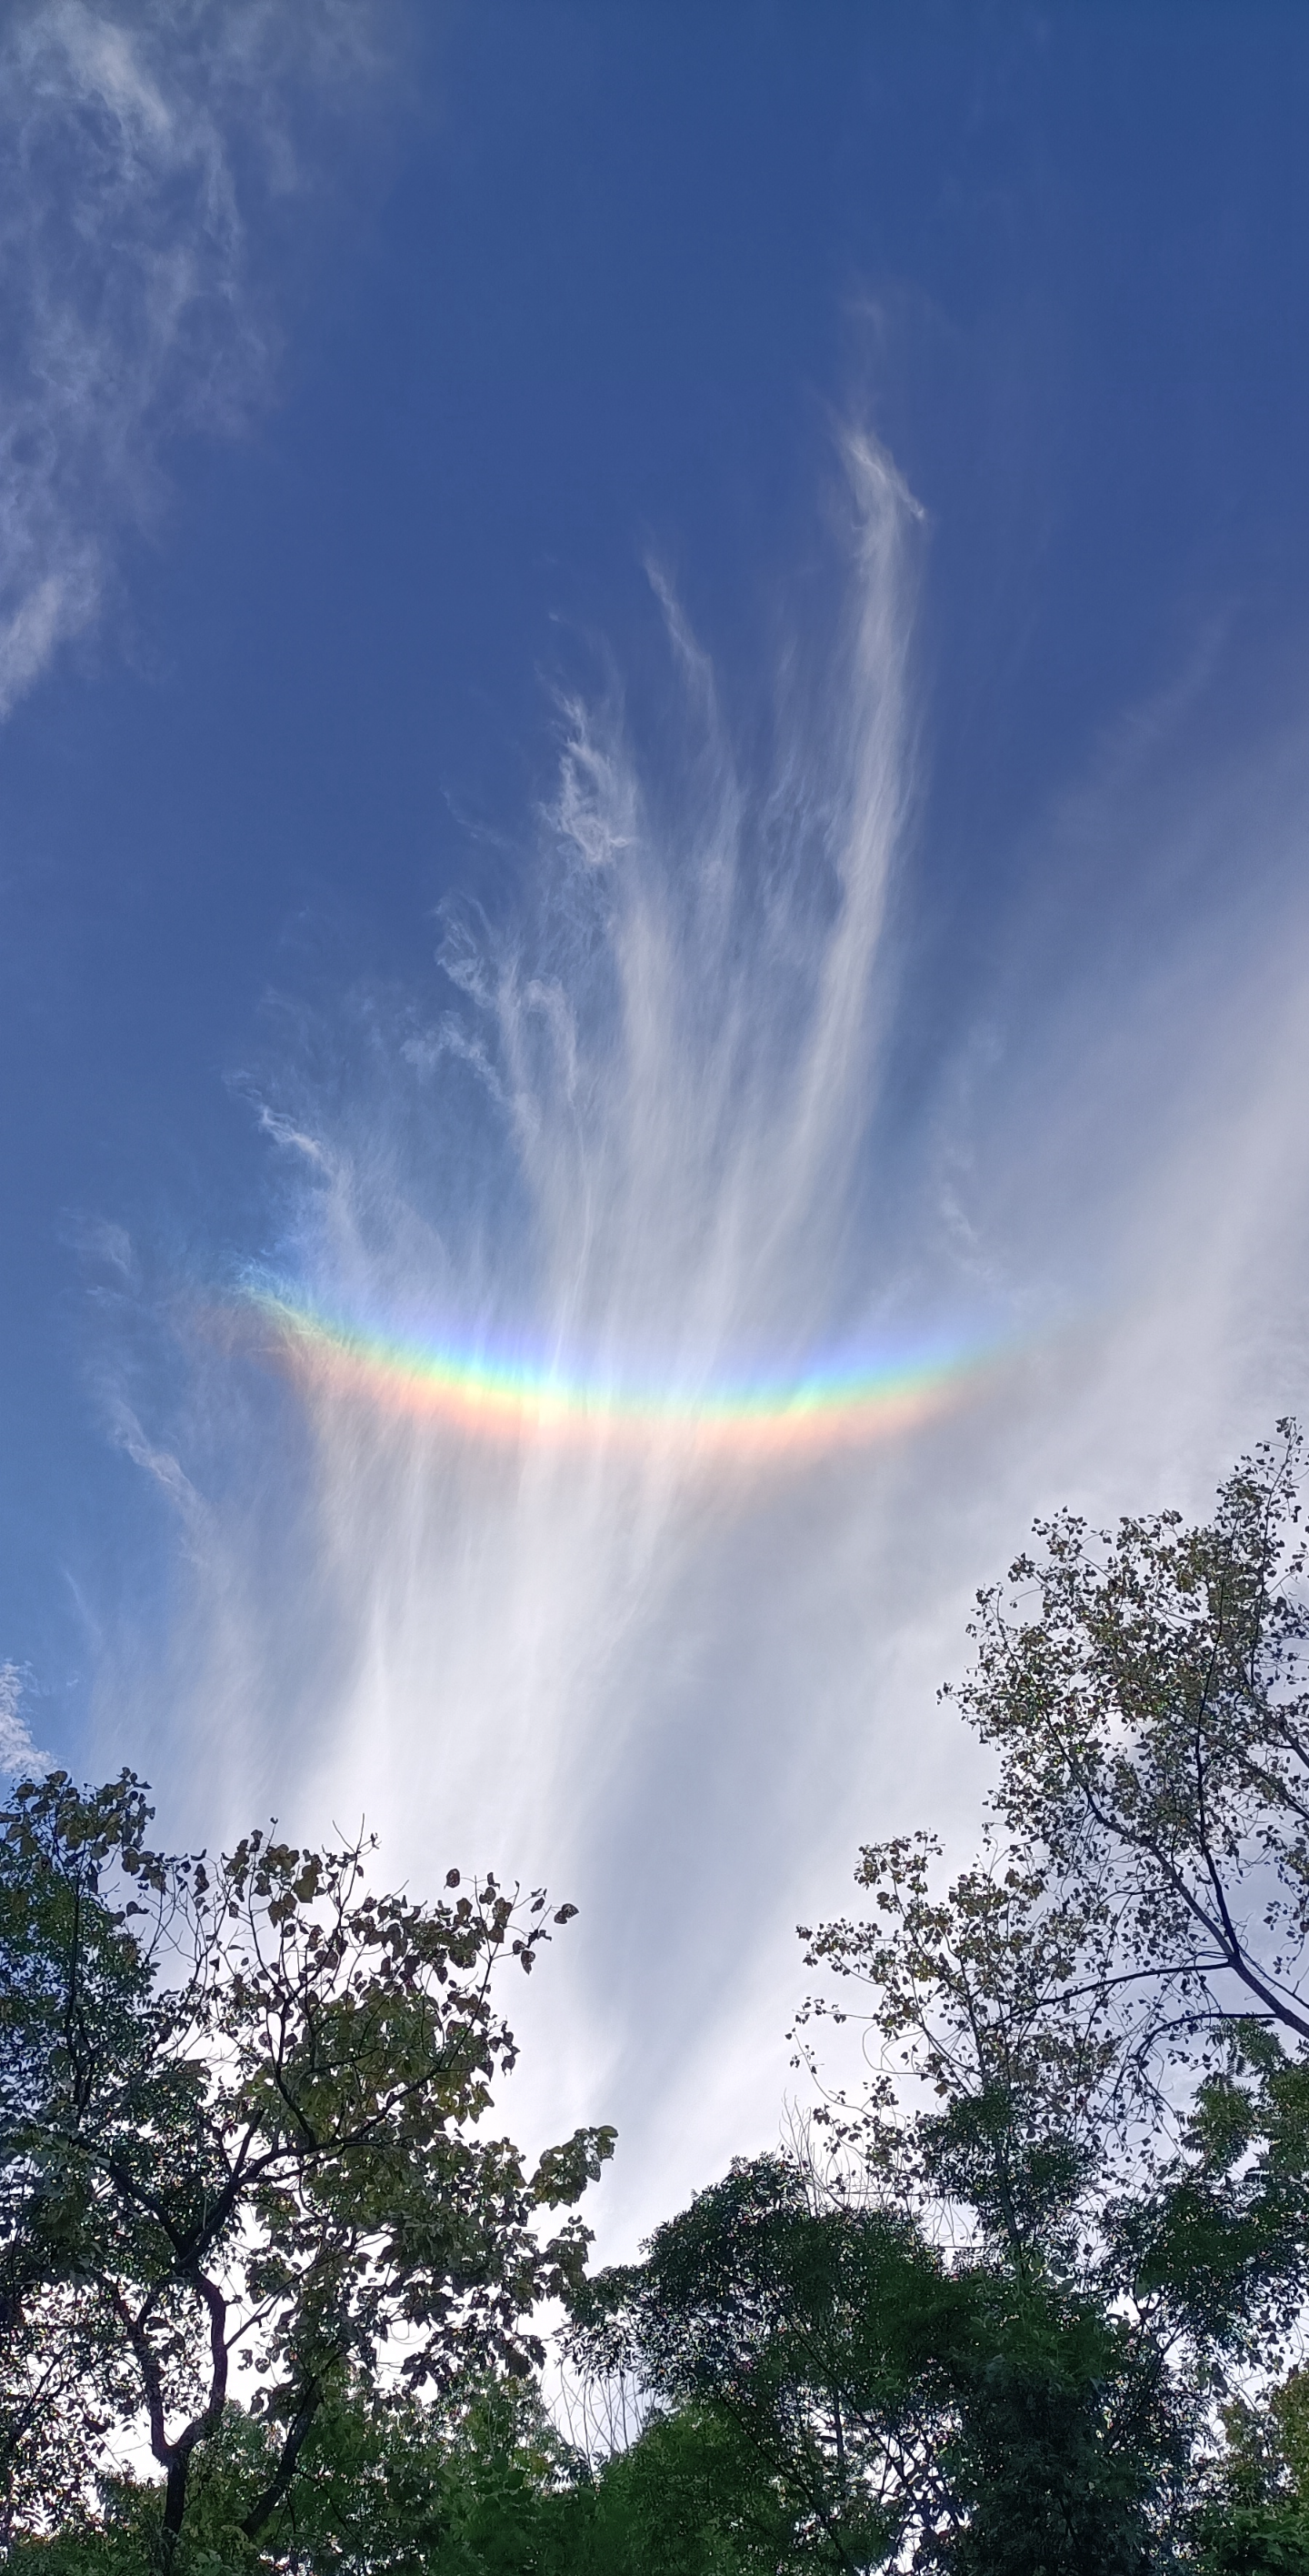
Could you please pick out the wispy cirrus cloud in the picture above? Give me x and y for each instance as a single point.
(143, 146)
(20, 1758)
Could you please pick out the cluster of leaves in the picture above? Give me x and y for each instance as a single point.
(240, 2113)
(1148, 1700)
(894, 2407)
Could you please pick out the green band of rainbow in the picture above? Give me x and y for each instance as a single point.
(515, 1401)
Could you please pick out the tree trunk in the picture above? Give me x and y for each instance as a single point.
(174, 2508)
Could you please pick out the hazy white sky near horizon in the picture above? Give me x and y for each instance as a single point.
(847, 891)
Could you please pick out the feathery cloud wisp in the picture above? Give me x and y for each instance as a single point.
(137, 142)
(20, 1758)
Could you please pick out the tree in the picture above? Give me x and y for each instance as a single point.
(686, 2498)
(810, 2336)
(996, 2042)
(1088, 2049)
(239, 2124)
(388, 2484)
(1148, 1696)
(884, 2403)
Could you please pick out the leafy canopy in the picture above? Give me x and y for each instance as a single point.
(242, 2110)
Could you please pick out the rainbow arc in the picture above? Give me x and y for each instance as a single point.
(516, 1400)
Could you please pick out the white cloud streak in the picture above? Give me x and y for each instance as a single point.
(141, 146)
(20, 1758)
(658, 1124)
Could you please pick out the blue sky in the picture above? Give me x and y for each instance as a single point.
(474, 481)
